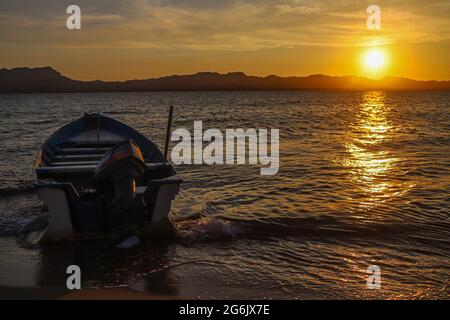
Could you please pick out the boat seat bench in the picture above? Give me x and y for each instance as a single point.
(73, 151)
(88, 168)
(72, 163)
(66, 169)
(78, 157)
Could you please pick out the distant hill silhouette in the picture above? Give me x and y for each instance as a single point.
(46, 79)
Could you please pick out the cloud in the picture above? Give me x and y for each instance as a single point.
(219, 25)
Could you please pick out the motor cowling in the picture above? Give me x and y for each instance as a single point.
(115, 179)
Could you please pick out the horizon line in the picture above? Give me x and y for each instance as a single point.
(229, 73)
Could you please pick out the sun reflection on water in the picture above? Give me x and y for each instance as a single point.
(369, 160)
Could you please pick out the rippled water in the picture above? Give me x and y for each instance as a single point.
(364, 180)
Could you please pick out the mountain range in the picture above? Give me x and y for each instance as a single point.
(47, 79)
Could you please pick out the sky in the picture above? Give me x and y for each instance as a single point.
(137, 39)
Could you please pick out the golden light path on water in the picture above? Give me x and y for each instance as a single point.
(367, 156)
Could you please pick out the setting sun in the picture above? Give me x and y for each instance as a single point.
(374, 61)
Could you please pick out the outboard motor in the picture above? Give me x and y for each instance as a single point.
(115, 179)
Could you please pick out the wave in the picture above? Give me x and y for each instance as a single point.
(23, 220)
(324, 229)
(206, 228)
(15, 191)
(124, 112)
(25, 234)
(38, 122)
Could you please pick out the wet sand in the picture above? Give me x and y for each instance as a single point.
(49, 293)
(113, 294)
(31, 293)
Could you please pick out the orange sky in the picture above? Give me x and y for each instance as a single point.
(141, 39)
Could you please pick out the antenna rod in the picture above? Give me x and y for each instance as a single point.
(98, 130)
(169, 124)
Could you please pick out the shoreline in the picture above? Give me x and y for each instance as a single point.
(59, 293)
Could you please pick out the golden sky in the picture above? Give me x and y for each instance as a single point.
(132, 39)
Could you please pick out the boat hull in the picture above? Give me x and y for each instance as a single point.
(61, 225)
(66, 165)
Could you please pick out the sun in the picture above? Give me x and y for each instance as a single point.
(374, 60)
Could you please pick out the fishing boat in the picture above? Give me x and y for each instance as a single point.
(98, 177)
